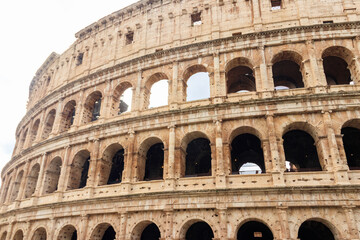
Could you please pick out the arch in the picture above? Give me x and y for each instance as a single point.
(150, 159)
(68, 232)
(286, 70)
(3, 236)
(239, 75)
(196, 229)
(16, 186)
(68, 116)
(146, 230)
(34, 130)
(39, 234)
(49, 123)
(337, 62)
(79, 170)
(246, 154)
(316, 229)
(351, 141)
(196, 77)
(22, 140)
(32, 179)
(103, 231)
(19, 235)
(243, 130)
(92, 107)
(300, 151)
(157, 90)
(52, 175)
(254, 229)
(6, 190)
(121, 102)
(196, 155)
(112, 165)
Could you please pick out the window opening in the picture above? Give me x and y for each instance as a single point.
(96, 110)
(198, 158)
(117, 167)
(300, 150)
(328, 22)
(314, 230)
(196, 19)
(287, 73)
(79, 59)
(336, 71)
(129, 38)
(151, 232)
(275, 4)
(154, 165)
(198, 87)
(159, 94)
(199, 231)
(109, 234)
(254, 229)
(32, 181)
(240, 79)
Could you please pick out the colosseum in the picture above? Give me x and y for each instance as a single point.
(270, 151)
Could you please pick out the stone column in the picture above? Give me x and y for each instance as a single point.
(173, 101)
(123, 223)
(64, 169)
(170, 170)
(284, 225)
(94, 159)
(223, 234)
(57, 122)
(317, 75)
(351, 221)
(219, 153)
(51, 232)
(137, 98)
(169, 223)
(79, 110)
(40, 180)
(82, 231)
(257, 19)
(219, 83)
(265, 79)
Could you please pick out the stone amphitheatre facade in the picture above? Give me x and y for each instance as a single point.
(272, 153)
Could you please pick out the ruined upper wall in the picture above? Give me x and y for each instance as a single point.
(149, 26)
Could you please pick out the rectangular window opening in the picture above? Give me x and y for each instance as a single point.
(79, 59)
(129, 38)
(328, 22)
(258, 234)
(275, 4)
(196, 19)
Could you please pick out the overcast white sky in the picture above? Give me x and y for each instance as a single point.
(30, 31)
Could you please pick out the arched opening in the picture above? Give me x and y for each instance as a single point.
(198, 158)
(112, 165)
(286, 70)
(34, 130)
(32, 179)
(18, 235)
(240, 76)
(121, 99)
(103, 231)
(92, 107)
(150, 160)
(254, 230)
(196, 84)
(79, 170)
(16, 186)
(159, 93)
(336, 65)
(300, 151)
(3, 236)
(247, 155)
(154, 166)
(67, 233)
(68, 116)
(6, 190)
(52, 175)
(199, 231)
(310, 230)
(351, 141)
(40, 234)
(49, 123)
(151, 232)
(22, 140)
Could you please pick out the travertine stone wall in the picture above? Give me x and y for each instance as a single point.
(39, 195)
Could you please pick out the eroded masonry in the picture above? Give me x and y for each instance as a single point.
(116, 145)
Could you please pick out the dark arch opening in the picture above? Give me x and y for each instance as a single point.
(74, 235)
(246, 148)
(240, 78)
(300, 151)
(151, 232)
(336, 71)
(84, 173)
(79, 170)
(351, 140)
(68, 116)
(117, 167)
(154, 165)
(310, 230)
(109, 234)
(198, 158)
(199, 231)
(287, 73)
(254, 230)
